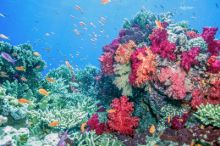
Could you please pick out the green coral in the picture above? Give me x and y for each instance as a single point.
(10, 106)
(209, 114)
(121, 79)
(91, 139)
(198, 42)
(142, 19)
(23, 54)
(76, 111)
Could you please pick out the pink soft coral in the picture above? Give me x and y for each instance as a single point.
(209, 35)
(214, 92)
(176, 80)
(94, 124)
(213, 64)
(161, 45)
(143, 66)
(121, 120)
(107, 62)
(124, 51)
(197, 98)
(188, 58)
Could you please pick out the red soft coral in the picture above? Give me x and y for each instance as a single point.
(161, 45)
(143, 66)
(178, 122)
(197, 98)
(121, 120)
(209, 35)
(107, 61)
(175, 79)
(188, 58)
(94, 124)
(213, 64)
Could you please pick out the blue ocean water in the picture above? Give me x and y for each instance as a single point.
(50, 26)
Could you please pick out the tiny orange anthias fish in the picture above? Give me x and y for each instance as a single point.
(152, 129)
(159, 24)
(53, 124)
(82, 127)
(111, 111)
(43, 92)
(51, 80)
(23, 100)
(105, 1)
(20, 68)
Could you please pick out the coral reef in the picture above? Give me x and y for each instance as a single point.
(166, 74)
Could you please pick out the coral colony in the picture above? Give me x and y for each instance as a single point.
(159, 84)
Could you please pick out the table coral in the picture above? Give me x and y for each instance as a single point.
(121, 120)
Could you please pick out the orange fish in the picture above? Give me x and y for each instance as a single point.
(20, 68)
(82, 127)
(23, 100)
(51, 80)
(152, 129)
(168, 119)
(111, 111)
(53, 124)
(24, 79)
(43, 92)
(159, 24)
(202, 127)
(36, 54)
(104, 2)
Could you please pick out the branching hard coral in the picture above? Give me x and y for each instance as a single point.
(175, 80)
(91, 138)
(121, 119)
(121, 79)
(209, 114)
(87, 79)
(13, 137)
(70, 115)
(143, 66)
(123, 52)
(10, 107)
(27, 65)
